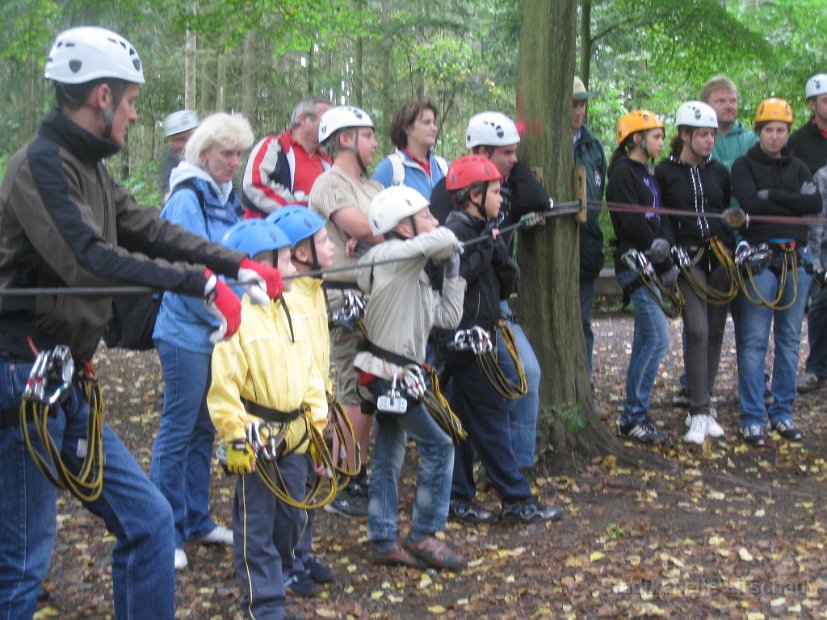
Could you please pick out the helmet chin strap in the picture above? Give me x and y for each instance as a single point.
(355, 150)
(481, 204)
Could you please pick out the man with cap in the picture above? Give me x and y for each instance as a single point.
(809, 143)
(178, 128)
(588, 153)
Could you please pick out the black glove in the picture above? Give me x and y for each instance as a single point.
(450, 266)
(670, 278)
(659, 251)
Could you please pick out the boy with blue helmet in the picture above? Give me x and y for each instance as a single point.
(265, 368)
(310, 250)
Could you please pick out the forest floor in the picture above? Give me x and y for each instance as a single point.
(719, 531)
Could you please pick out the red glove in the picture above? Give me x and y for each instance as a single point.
(262, 283)
(224, 305)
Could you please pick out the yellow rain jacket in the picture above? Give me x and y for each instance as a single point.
(308, 308)
(269, 364)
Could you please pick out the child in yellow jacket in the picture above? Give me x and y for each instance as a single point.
(264, 383)
(311, 250)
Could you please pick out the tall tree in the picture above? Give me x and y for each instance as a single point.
(549, 255)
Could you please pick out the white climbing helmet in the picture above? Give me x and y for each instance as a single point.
(696, 114)
(179, 122)
(816, 85)
(392, 205)
(491, 129)
(342, 117)
(80, 55)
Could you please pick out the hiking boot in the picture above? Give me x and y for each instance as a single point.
(788, 430)
(644, 432)
(808, 381)
(435, 553)
(302, 585)
(462, 509)
(681, 399)
(697, 429)
(395, 556)
(754, 435)
(529, 511)
(318, 572)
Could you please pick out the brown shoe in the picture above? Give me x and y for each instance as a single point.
(435, 552)
(396, 556)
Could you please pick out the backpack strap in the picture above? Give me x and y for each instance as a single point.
(442, 163)
(191, 185)
(398, 168)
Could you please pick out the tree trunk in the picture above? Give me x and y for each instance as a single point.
(549, 255)
(247, 85)
(387, 110)
(190, 72)
(221, 83)
(585, 40)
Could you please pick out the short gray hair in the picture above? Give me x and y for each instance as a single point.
(231, 130)
(306, 106)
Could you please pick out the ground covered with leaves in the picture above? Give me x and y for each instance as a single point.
(720, 531)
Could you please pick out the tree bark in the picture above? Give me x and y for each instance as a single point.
(190, 71)
(550, 255)
(247, 85)
(585, 40)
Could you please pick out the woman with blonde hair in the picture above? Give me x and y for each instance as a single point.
(201, 200)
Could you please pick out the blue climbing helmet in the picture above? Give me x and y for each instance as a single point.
(297, 222)
(254, 236)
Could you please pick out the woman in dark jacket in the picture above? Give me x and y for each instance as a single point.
(769, 181)
(640, 140)
(692, 181)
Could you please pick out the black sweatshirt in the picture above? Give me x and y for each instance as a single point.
(630, 183)
(809, 145)
(697, 189)
(792, 193)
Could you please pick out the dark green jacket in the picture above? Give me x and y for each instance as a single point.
(588, 152)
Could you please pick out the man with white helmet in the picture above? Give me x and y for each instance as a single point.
(342, 195)
(809, 143)
(281, 169)
(400, 314)
(178, 128)
(66, 223)
(495, 136)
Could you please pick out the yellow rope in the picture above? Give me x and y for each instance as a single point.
(489, 364)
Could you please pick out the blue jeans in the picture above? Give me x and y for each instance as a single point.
(588, 291)
(754, 335)
(649, 344)
(433, 478)
(522, 412)
(130, 506)
(817, 331)
(181, 456)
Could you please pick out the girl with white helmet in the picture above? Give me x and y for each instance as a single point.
(400, 314)
(690, 180)
(342, 196)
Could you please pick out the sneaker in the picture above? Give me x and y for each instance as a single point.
(681, 399)
(350, 506)
(754, 435)
(529, 511)
(713, 429)
(808, 381)
(462, 509)
(788, 430)
(219, 535)
(697, 429)
(644, 432)
(180, 559)
(318, 572)
(435, 553)
(302, 585)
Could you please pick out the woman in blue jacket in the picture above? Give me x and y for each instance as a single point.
(202, 200)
